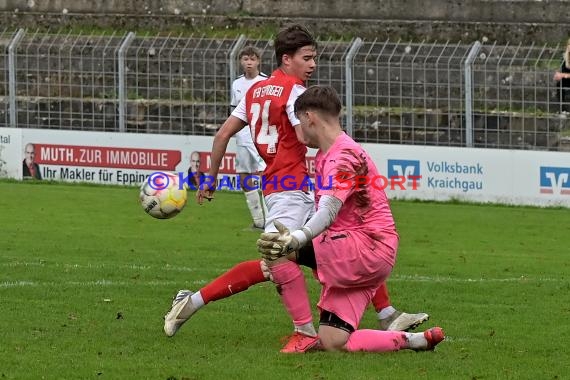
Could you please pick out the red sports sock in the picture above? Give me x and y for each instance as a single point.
(236, 280)
(381, 298)
(376, 341)
(290, 279)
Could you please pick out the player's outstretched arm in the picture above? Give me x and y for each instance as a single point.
(231, 126)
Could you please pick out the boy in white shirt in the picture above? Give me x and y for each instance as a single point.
(248, 162)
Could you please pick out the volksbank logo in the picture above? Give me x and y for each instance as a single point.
(554, 180)
(405, 168)
(451, 176)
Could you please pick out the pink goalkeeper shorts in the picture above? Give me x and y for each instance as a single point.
(350, 268)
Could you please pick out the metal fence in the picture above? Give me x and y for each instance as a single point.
(448, 94)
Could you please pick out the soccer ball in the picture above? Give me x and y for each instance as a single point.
(161, 195)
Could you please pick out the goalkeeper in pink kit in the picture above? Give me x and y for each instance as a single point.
(352, 236)
(268, 108)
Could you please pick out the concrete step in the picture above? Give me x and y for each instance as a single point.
(378, 118)
(391, 125)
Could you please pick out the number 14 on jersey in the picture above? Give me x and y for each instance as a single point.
(268, 134)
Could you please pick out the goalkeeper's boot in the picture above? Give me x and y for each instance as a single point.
(399, 321)
(181, 310)
(425, 341)
(433, 337)
(300, 343)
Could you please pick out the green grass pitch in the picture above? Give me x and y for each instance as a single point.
(86, 277)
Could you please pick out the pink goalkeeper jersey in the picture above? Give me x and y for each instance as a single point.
(365, 207)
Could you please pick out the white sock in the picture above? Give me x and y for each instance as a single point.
(255, 207)
(386, 312)
(263, 205)
(306, 329)
(197, 300)
(416, 341)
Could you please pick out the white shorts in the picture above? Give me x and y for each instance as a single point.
(248, 160)
(292, 208)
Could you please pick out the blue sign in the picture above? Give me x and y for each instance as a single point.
(554, 180)
(404, 168)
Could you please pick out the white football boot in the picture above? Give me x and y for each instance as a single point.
(399, 321)
(181, 310)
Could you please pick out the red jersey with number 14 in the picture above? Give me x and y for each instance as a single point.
(268, 109)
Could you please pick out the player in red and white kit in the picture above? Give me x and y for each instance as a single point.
(352, 235)
(268, 108)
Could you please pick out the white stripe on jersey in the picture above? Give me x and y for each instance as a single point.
(295, 93)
